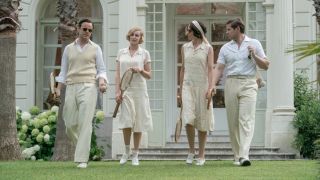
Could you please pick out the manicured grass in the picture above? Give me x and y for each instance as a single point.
(295, 169)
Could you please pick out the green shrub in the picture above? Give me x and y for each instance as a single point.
(317, 148)
(307, 119)
(96, 152)
(37, 132)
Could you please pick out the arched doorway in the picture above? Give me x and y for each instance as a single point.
(48, 48)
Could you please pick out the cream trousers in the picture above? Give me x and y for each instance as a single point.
(240, 100)
(78, 112)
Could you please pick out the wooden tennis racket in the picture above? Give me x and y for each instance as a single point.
(124, 84)
(178, 129)
(209, 100)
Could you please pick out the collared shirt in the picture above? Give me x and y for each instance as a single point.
(236, 59)
(139, 59)
(101, 69)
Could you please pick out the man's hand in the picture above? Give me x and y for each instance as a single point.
(102, 85)
(57, 92)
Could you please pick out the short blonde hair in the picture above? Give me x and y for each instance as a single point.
(134, 29)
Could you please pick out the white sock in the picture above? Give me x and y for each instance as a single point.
(135, 152)
(127, 149)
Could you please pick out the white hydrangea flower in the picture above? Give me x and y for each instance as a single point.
(43, 115)
(28, 152)
(35, 132)
(46, 129)
(55, 109)
(46, 138)
(39, 138)
(36, 147)
(25, 116)
(24, 128)
(33, 158)
(100, 116)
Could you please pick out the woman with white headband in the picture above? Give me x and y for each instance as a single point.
(195, 88)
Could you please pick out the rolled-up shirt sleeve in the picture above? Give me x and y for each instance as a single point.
(64, 66)
(101, 68)
(221, 58)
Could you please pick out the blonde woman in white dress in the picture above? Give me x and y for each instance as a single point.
(135, 116)
(196, 85)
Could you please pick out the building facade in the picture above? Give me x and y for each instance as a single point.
(278, 24)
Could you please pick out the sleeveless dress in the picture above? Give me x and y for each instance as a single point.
(135, 107)
(195, 85)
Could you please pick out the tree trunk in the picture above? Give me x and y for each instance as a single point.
(67, 12)
(316, 5)
(9, 24)
(9, 145)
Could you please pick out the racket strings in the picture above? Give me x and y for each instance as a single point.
(126, 79)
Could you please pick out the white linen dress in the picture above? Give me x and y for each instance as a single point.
(135, 107)
(195, 85)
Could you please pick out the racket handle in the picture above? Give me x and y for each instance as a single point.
(209, 101)
(116, 110)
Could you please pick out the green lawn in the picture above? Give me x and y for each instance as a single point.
(295, 169)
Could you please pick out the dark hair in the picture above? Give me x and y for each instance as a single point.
(234, 23)
(83, 21)
(196, 31)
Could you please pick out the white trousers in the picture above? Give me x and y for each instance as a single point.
(78, 113)
(240, 100)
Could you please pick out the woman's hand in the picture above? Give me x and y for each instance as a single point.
(209, 94)
(136, 70)
(118, 97)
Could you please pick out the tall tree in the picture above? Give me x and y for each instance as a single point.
(67, 11)
(9, 25)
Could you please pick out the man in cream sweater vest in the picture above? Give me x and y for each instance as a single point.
(81, 65)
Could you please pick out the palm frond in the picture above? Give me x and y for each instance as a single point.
(304, 50)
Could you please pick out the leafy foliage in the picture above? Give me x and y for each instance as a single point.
(96, 152)
(37, 133)
(307, 119)
(304, 50)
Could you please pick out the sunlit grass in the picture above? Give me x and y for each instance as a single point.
(296, 169)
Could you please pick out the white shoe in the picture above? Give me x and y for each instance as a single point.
(124, 159)
(190, 158)
(135, 160)
(82, 165)
(200, 162)
(236, 163)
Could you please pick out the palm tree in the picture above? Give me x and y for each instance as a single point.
(309, 48)
(9, 25)
(67, 11)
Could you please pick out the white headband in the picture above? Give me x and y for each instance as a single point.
(194, 22)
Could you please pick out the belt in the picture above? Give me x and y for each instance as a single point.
(241, 76)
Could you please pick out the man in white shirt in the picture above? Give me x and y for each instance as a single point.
(239, 59)
(82, 64)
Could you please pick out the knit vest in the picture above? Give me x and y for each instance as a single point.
(81, 65)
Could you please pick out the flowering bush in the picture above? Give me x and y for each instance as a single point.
(37, 132)
(96, 152)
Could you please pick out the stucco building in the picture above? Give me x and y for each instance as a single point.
(276, 23)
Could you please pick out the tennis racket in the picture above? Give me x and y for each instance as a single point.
(124, 84)
(178, 127)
